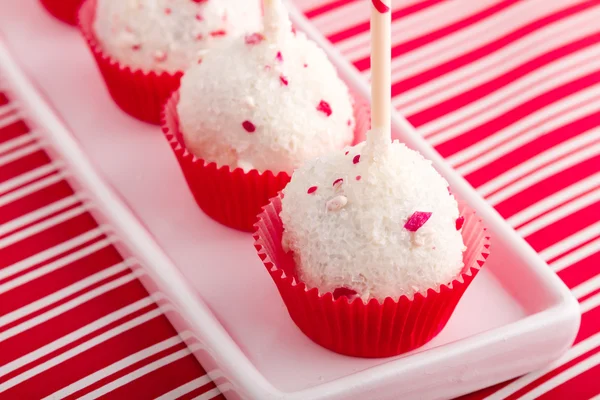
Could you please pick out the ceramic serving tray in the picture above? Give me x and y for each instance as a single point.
(516, 316)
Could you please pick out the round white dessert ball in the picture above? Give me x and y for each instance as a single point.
(382, 229)
(170, 35)
(265, 104)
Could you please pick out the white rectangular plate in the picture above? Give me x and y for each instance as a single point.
(517, 315)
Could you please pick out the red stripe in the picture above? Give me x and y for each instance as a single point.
(483, 51)
(12, 131)
(96, 358)
(324, 8)
(161, 381)
(494, 125)
(23, 165)
(564, 228)
(48, 238)
(201, 390)
(57, 280)
(65, 323)
(364, 26)
(532, 149)
(524, 390)
(581, 271)
(584, 386)
(590, 324)
(547, 187)
(32, 202)
(499, 82)
(3, 99)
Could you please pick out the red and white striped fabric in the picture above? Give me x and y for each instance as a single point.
(507, 90)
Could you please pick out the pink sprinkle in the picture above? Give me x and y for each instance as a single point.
(283, 80)
(136, 47)
(417, 220)
(294, 30)
(346, 153)
(267, 67)
(305, 65)
(167, 11)
(311, 189)
(199, 36)
(449, 191)
(349, 122)
(358, 177)
(279, 57)
(460, 221)
(380, 6)
(199, 17)
(356, 159)
(254, 38)
(160, 56)
(220, 32)
(248, 126)
(324, 107)
(345, 292)
(199, 1)
(338, 181)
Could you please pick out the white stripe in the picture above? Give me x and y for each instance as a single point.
(30, 176)
(587, 287)
(38, 369)
(185, 388)
(16, 142)
(11, 119)
(571, 242)
(543, 173)
(20, 153)
(577, 350)
(590, 303)
(38, 214)
(64, 292)
(74, 336)
(32, 188)
(211, 394)
(518, 139)
(554, 200)
(410, 27)
(51, 253)
(115, 367)
(5, 109)
(71, 304)
(580, 254)
(146, 369)
(494, 64)
(559, 213)
(43, 225)
(564, 376)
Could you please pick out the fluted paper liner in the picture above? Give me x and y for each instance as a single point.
(232, 197)
(64, 10)
(370, 329)
(141, 94)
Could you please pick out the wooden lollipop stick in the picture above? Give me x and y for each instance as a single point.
(276, 19)
(381, 90)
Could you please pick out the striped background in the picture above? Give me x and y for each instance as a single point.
(508, 91)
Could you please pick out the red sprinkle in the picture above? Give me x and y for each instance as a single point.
(305, 65)
(294, 30)
(338, 180)
(345, 292)
(279, 57)
(417, 220)
(449, 191)
(167, 11)
(460, 221)
(356, 159)
(136, 47)
(254, 38)
(380, 6)
(283, 80)
(199, 1)
(358, 177)
(199, 36)
(349, 122)
(312, 189)
(346, 153)
(199, 17)
(248, 126)
(221, 32)
(324, 107)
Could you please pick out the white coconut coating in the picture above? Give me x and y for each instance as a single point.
(170, 35)
(344, 217)
(267, 101)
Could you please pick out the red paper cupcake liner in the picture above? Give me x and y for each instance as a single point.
(140, 94)
(233, 198)
(373, 329)
(64, 10)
